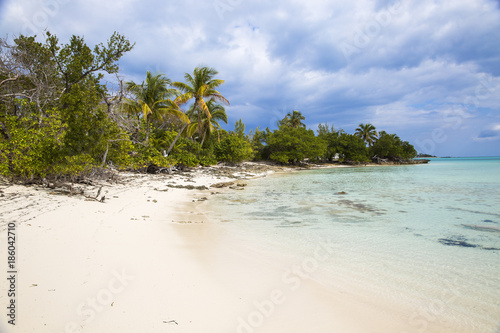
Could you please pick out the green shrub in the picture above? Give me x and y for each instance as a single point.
(233, 149)
(292, 145)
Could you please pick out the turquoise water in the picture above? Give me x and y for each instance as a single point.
(416, 234)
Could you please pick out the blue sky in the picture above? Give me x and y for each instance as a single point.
(427, 70)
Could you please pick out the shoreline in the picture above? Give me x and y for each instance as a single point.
(148, 259)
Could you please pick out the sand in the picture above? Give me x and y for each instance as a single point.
(148, 259)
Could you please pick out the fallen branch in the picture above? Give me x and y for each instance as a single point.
(96, 196)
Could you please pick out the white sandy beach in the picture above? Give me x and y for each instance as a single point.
(149, 260)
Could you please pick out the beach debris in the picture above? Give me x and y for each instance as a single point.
(103, 198)
(98, 192)
(170, 322)
(341, 193)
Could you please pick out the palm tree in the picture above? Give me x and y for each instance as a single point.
(367, 132)
(211, 123)
(296, 119)
(152, 99)
(392, 136)
(293, 120)
(200, 86)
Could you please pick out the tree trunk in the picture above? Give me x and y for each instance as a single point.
(176, 138)
(203, 139)
(196, 102)
(147, 130)
(105, 155)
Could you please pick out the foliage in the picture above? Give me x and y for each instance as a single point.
(35, 151)
(201, 86)
(392, 147)
(58, 120)
(233, 149)
(294, 144)
(259, 144)
(209, 121)
(351, 148)
(239, 129)
(152, 100)
(293, 120)
(60, 129)
(145, 156)
(330, 137)
(366, 132)
(77, 62)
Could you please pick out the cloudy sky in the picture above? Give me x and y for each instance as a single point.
(427, 70)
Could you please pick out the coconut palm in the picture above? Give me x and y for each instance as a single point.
(211, 124)
(366, 132)
(208, 124)
(293, 120)
(151, 98)
(296, 119)
(201, 86)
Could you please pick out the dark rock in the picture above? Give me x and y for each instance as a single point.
(189, 187)
(491, 248)
(221, 185)
(488, 228)
(446, 241)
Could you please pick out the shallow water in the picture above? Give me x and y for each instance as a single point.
(423, 235)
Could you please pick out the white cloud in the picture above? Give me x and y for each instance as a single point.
(413, 64)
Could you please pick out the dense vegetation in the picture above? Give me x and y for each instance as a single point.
(59, 120)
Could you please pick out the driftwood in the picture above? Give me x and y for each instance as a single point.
(96, 196)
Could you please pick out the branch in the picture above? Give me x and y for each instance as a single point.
(9, 79)
(17, 95)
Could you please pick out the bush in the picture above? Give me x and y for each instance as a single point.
(292, 145)
(233, 149)
(351, 148)
(390, 146)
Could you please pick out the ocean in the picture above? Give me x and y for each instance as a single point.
(427, 236)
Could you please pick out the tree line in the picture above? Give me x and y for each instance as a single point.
(60, 121)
